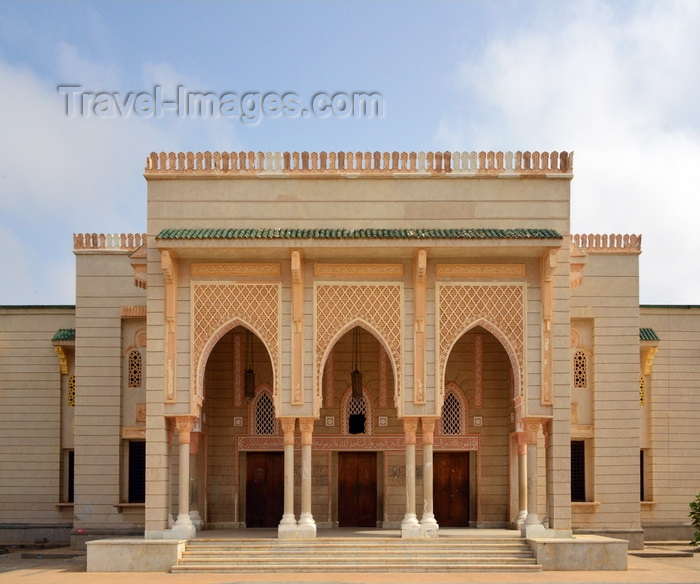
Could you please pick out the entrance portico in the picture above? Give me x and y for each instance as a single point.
(255, 332)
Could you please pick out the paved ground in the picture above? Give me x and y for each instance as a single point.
(57, 567)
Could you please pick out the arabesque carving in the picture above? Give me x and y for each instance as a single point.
(235, 269)
(358, 270)
(480, 270)
(339, 307)
(500, 308)
(356, 442)
(216, 305)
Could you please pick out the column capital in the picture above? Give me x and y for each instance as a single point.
(184, 425)
(521, 437)
(410, 427)
(428, 429)
(532, 428)
(288, 427)
(306, 426)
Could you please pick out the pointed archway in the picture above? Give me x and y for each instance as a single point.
(479, 401)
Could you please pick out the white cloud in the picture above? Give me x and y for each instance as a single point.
(618, 84)
(60, 175)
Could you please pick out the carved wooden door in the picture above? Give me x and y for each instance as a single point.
(451, 488)
(264, 489)
(357, 489)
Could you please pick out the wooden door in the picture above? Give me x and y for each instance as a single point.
(451, 488)
(264, 489)
(357, 489)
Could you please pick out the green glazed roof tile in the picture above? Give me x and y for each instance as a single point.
(64, 335)
(371, 233)
(648, 334)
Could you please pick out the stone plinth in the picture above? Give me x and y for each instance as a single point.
(133, 555)
(580, 553)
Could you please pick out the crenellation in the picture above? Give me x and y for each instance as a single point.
(107, 241)
(613, 243)
(357, 163)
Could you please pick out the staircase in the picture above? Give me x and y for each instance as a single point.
(372, 554)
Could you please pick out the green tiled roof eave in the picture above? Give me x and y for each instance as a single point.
(64, 335)
(371, 233)
(648, 334)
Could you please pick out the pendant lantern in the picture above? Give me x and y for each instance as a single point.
(356, 375)
(249, 375)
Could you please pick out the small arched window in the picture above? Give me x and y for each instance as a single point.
(71, 391)
(580, 369)
(451, 415)
(135, 368)
(357, 416)
(264, 415)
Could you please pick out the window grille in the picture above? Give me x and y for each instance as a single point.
(71, 391)
(357, 416)
(135, 368)
(264, 415)
(451, 415)
(580, 372)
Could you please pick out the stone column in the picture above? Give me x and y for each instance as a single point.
(410, 528)
(170, 424)
(522, 479)
(532, 527)
(548, 472)
(428, 525)
(307, 525)
(195, 440)
(184, 528)
(288, 526)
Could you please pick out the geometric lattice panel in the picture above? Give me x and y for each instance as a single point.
(253, 305)
(498, 308)
(339, 307)
(135, 368)
(580, 369)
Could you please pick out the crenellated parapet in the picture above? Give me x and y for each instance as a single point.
(116, 241)
(613, 243)
(545, 164)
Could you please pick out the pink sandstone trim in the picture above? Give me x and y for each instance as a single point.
(123, 241)
(613, 243)
(375, 163)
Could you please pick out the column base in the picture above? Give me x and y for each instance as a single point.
(428, 526)
(288, 531)
(533, 530)
(410, 528)
(183, 528)
(306, 531)
(520, 519)
(196, 519)
(180, 532)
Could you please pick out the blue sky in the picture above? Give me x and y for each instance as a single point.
(616, 82)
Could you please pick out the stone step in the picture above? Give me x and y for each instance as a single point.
(338, 558)
(357, 555)
(359, 567)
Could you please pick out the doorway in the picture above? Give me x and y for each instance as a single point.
(451, 488)
(264, 505)
(357, 489)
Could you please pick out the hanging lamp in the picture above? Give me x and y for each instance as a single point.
(249, 375)
(356, 375)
